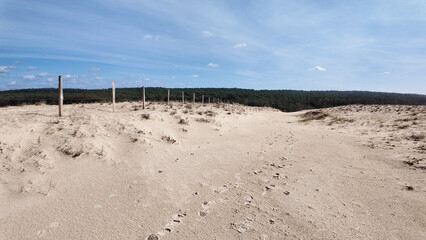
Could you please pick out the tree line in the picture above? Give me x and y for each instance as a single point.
(284, 100)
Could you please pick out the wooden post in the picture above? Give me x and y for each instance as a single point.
(202, 100)
(183, 98)
(143, 97)
(61, 96)
(209, 100)
(193, 98)
(168, 96)
(113, 96)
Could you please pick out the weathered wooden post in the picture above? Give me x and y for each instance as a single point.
(61, 96)
(183, 98)
(143, 97)
(168, 96)
(202, 99)
(193, 98)
(113, 96)
(209, 100)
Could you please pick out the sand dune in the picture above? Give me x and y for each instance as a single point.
(212, 172)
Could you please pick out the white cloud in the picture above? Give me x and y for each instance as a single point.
(12, 83)
(318, 68)
(195, 76)
(29, 77)
(239, 45)
(66, 76)
(99, 78)
(93, 69)
(42, 74)
(387, 73)
(50, 79)
(146, 79)
(17, 62)
(208, 34)
(5, 69)
(31, 68)
(213, 65)
(149, 36)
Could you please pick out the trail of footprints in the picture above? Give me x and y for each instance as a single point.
(275, 167)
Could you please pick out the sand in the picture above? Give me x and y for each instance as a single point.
(212, 172)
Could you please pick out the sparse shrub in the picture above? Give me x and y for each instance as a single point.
(210, 113)
(145, 116)
(184, 121)
(416, 137)
(314, 115)
(42, 102)
(403, 126)
(168, 139)
(203, 120)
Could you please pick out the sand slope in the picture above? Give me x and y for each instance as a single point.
(212, 172)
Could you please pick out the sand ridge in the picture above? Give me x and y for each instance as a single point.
(217, 171)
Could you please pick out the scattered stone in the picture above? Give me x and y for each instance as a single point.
(409, 188)
(287, 193)
(271, 221)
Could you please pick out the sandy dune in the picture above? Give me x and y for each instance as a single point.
(212, 172)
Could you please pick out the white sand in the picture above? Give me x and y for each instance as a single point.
(241, 173)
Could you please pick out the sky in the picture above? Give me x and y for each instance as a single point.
(372, 45)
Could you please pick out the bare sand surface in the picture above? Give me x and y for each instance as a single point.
(212, 172)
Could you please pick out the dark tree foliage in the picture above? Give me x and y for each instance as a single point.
(285, 100)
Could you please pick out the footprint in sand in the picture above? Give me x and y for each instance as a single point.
(206, 208)
(245, 225)
(43, 232)
(267, 188)
(168, 228)
(222, 189)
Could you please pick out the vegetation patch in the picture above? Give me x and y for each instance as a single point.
(314, 115)
(168, 139)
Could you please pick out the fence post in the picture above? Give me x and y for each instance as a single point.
(209, 100)
(183, 98)
(113, 96)
(168, 96)
(61, 96)
(193, 98)
(202, 99)
(143, 97)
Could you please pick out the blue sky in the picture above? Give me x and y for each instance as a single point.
(375, 45)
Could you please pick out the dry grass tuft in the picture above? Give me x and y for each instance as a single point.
(184, 121)
(416, 136)
(314, 115)
(203, 120)
(145, 116)
(168, 139)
